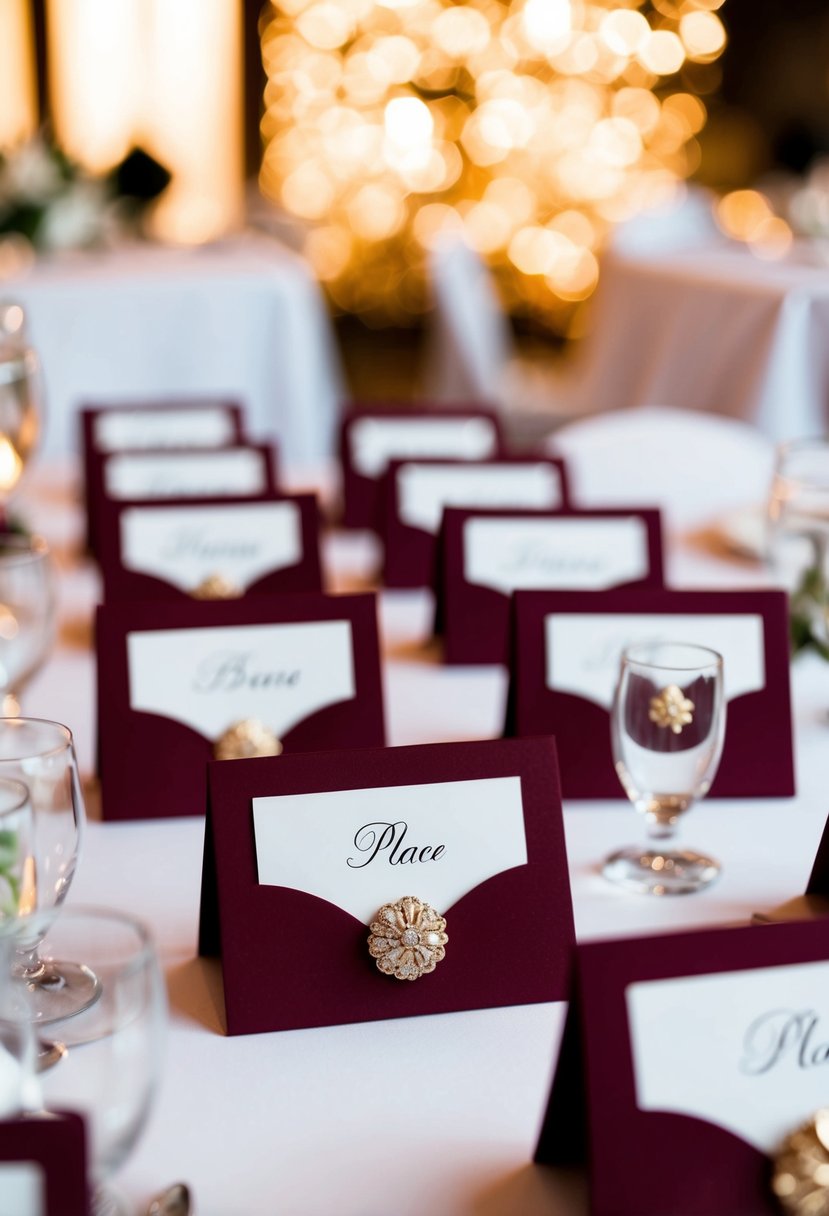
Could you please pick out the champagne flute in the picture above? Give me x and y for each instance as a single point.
(667, 731)
(40, 756)
(28, 603)
(111, 1065)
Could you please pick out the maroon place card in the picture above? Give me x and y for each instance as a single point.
(43, 1166)
(486, 555)
(303, 851)
(246, 470)
(417, 491)
(210, 548)
(176, 680)
(686, 1060)
(566, 647)
(373, 435)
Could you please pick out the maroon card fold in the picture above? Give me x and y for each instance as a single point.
(123, 583)
(819, 878)
(757, 759)
(474, 618)
(655, 1161)
(411, 551)
(154, 767)
(56, 1146)
(318, 969)
(99, 501)
(362, 490)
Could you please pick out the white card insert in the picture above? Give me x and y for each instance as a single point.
(22, 1189)
(554, 554)
(362, 848)
(228, 471)
(212, 677)
(583, 650)
(207, 426)
(376, 441)
(425, 489)
(185, 545)
(743, 1050)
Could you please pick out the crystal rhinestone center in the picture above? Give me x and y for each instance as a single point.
(410, 937)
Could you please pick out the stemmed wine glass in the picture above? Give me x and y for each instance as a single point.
(798, 535)
(28, 603)
(20, 398)
(38, 758)
(667, 731)
(111, 1062)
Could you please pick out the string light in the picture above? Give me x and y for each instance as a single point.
(528, 126)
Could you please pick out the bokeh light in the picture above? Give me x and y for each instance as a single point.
(529, 127)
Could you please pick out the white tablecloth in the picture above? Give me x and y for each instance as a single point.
(711, 329)
(243, 319)
(427, 1115)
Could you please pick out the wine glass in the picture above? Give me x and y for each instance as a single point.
(28, 602)
(111, 1065)
(40, 755)
(667, 730)
(20, 398)
(798, 535)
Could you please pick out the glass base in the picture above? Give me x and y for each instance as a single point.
(661, 871)
(60, 991)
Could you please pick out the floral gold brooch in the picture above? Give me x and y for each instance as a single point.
(801, 1168)
(246, 740)
(670, 709)
(216, 587)
(407, 939)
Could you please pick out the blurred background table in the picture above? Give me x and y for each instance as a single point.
(435, 1114)
(242, 318)
(712, 328)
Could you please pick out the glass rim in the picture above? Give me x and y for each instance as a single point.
(714, 658)
(68, 739)
(30, 548)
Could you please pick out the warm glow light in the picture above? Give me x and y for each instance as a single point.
(529, 127)
(165, 76)
(18, 107)
(11, 466)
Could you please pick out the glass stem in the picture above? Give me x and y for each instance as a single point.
(33, 967)
(662, 814)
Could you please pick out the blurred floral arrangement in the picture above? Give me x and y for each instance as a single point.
(48, 202)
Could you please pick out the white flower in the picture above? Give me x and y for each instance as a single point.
(30, 174)
(74, 219)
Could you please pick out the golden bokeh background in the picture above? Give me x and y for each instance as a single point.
(529, 127)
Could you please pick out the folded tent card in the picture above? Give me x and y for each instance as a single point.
(43, 1166)
(210, 548)
(181, 683)
(687, 1061)
(417, 491)
(355, 886)
(245, 471)
(566, 648)
(372, 436)
(485, 555)
(183, 424)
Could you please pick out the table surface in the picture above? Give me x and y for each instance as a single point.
(400, 1118)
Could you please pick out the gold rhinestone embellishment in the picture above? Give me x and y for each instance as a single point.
(801, 1169)
(216, 587)
(671, 708)
(245, 740)
(407, 939)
